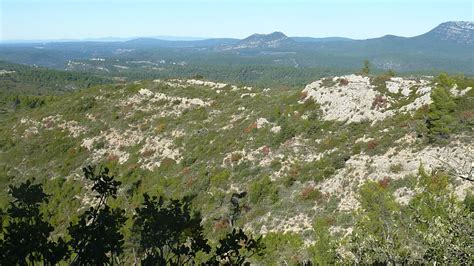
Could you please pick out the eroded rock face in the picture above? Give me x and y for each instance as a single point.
(353, 98)
(351, 102)
(396, 165)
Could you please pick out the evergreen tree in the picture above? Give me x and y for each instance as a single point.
(366, 69)
(440, 121)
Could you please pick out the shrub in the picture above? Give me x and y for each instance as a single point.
(396, 168)
(303, 95)
(379, 102)
(343, 82)
(263, 189)
(235, 157)
(220, 178)
(148, 153)
(324, 249)
(384, 183)
(265, 150)
(372, 144)
(161, 127)
(311, 193)
(276, 255)
(251, 127)
(221, 224)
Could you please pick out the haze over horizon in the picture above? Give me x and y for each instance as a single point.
(24, 20)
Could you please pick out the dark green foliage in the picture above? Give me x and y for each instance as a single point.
(366, 69)
(86, 104)
(235, 206)
(440, 122)
(10, 102)
(275, 254)
(443, 225)
(376, 237)
(236, 248)
(169, 234)
(263, 189)
(27, 236)
(469, 202)
(323, 250)
(96, 237)
(445, 81)
(165, 233)
(287, 132)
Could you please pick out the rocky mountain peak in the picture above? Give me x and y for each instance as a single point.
(457, 31)
(272, 40)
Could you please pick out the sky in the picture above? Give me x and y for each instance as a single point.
(83, 19)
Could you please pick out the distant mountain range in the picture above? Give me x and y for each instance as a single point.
(447, 47)
(457, 31)
(460, 32)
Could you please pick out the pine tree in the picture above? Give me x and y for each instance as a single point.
(366, 69)
(440, 121)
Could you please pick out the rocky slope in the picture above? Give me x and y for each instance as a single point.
(298, 154)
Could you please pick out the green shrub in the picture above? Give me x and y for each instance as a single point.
(263, 189)
(311, 193)
(396, 168)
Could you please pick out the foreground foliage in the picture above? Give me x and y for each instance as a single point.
(434, 227)
(170, 234)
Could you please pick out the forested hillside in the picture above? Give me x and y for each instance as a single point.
(20, 79)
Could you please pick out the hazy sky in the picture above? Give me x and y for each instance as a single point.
(75, 19)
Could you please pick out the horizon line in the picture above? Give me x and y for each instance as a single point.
(184, 38)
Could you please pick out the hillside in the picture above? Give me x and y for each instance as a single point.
(300, 154)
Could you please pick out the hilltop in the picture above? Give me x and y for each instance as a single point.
(262, 41)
